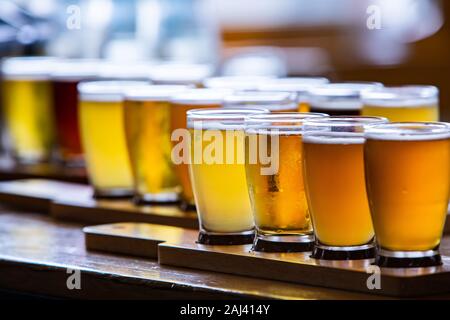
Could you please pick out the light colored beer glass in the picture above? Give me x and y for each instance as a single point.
(101, 112)
(274, 101)
(236, 83)
(180, 104)
(339, 99)
(147, 130)
(403, 103)
(27, 108)
(275, 181)
(217, 169)
(300, 85)
(335, 187)
(408, 181)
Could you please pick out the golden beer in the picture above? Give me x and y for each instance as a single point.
(217, 168)
(300, 85)
(180, 104)
(101, 112)
(408, 184)
(147, 130)
(278, 198)
(339, 99)
(335, 183)
(274, 101)
(405, 103)
(27, 107)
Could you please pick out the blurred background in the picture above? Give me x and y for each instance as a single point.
(394, 42)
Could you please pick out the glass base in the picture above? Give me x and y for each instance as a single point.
(224, 239)
(408, 259)
(156, 198)
(283, 243)
(113, 194)
(187, 206)
(324, 252)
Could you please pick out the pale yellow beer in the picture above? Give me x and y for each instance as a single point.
(408, 185)
(278, 196)
(219, 185)
(335, 181)
(403, 103)
(101, 112)
(147, 129)
(180, 104)
(274, 101)
(27, 107)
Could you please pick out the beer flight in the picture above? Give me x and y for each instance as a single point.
(353, 170)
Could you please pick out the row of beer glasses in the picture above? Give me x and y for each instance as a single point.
(347, 180)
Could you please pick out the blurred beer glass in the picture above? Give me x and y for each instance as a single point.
(274, 101)
(339, 99)
(27, 107)
(180, 104)
(237, 83)
(181, 73)
(278, 198)
(147, 129)
(335, 186)
(403, 103)
(217, 170)
(407, 173)
(101, 112)
(299, 85)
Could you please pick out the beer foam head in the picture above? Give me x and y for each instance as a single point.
(153, 92)
(112, 70)
(271, 100)
(220, 118)
(28, 68)
(236, 82)
(201, 96)
(293, 84)
(106, 91)
(180, 73)
(409, 131)
(402, 96)
(76, 70)
(334, 138)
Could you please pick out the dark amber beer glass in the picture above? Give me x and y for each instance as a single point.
(275, 184)
(180, 104)
(408, 181)
(339, 99)
(147, 130)
(217, 169)
(403, 103)
(300, 85)
(335, 186)
(27, 108)
(274, 101)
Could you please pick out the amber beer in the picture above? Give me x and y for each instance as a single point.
(101, 111)
(147, 130)
(278, 198)
(339, 99)
(27, 108)
(300, 85)
(180, 104)
(335, 186)
(219, 184)
(403, 103)
(274, 101)
(408, 184)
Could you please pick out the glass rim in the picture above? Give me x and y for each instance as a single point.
(283, 117)
(408, 131)
(406, 95)
(28, 67)
(343, 89)
(153, 92)
(200, 96)
(76, 69)
(223, 113)
(260, 97)
(106, 90)
(180, 73)
(344, 121)
(293, 84)
(236, 82)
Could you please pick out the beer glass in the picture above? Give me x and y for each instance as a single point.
(275, 181)
(180, 104)
(335, 187)
(27, 107)
(237, 83)
(217, 169)
(65, 107)
(180, 74)
(274, 101)
(300, 85)
(147, 130)
(407, 174)
(403, 103)
(101, 112)
(339, 99)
